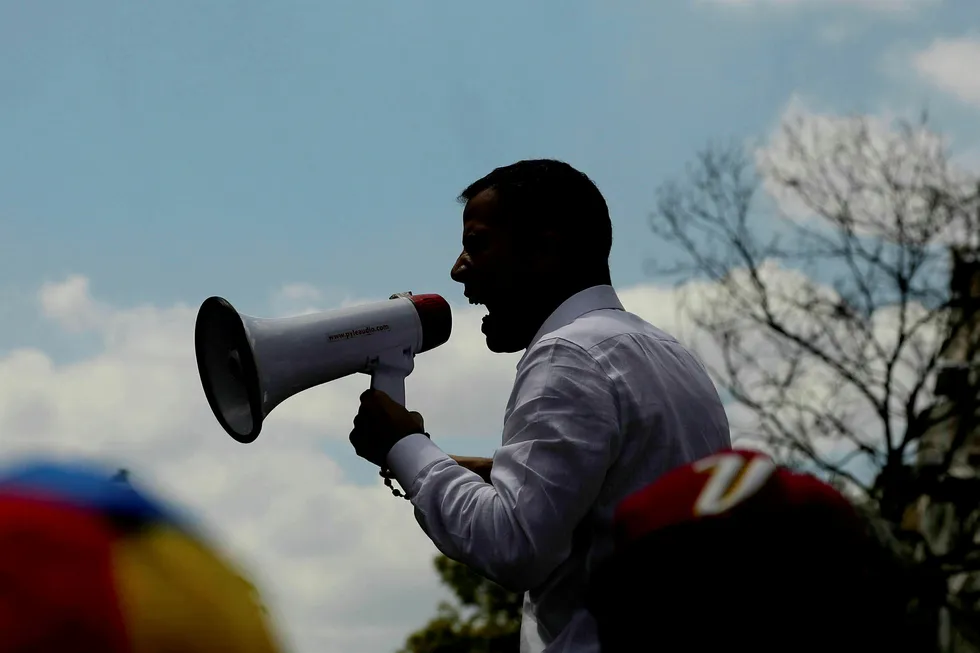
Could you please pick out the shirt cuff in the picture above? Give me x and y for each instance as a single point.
(410, 456)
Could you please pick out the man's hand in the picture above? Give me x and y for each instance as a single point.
(480, 466)
(380, 423)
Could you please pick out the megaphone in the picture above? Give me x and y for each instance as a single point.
(250, 365)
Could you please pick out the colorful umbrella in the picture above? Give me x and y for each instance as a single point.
(89, 564)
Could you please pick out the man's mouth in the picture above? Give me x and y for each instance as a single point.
(476, 301)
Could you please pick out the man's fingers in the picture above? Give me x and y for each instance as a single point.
(418, 416)
(365, 423)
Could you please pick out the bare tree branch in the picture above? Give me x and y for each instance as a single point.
(823, 305)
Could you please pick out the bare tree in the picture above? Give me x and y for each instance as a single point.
(829, 307)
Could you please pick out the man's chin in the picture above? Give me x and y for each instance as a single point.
(500, 339)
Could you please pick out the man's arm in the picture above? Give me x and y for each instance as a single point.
(481, 466)
(561, 437)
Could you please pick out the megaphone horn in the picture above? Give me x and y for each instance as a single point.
(250, 365)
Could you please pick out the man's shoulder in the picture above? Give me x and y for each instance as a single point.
(606, 328)
(619, 345)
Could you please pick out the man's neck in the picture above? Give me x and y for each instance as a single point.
(572, 287)
(550, 303)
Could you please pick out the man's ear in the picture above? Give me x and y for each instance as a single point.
(551, 245)
(543, 251)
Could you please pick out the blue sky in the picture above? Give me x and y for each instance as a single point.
(170, 151)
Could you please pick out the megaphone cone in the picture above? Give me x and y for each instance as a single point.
(226, 363)
(250, 365)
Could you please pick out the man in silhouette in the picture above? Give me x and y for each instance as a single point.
(603, 404)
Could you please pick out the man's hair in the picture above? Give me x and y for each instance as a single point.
(536, 195)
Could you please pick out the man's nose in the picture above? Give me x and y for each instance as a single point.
(460, 269)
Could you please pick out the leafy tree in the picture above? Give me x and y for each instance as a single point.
(485, 617)
(840, 312)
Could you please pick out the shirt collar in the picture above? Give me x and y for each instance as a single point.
(585, 301)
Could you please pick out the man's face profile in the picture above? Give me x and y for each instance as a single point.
(496, 272)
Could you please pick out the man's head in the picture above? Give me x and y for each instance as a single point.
(534, 233)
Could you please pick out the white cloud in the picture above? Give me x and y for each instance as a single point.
(842, 161)
(301, 291)
(303, 298)
(853, 160)
(953, 66)
(796, 301)
(70, 305)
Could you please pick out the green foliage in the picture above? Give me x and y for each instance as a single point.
(485, 617)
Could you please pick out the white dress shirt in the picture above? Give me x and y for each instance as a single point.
(603, 404)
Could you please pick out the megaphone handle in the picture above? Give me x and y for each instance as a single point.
(391, 382)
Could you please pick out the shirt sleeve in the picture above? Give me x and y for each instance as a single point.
(560, 438)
